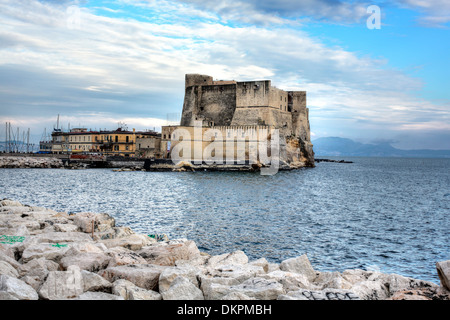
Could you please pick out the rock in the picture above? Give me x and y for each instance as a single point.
(169, 274)
(289, 280)
(327, 294)
(122, 287)
(261, 263)
(43, 250)
(7, 296)
(165, 254)
(6, 250)
(89, 261)
(120, 256)
(33, 281)
(10, 203)
(85, 221)
(259, 288)
(443, 269)
(235, 274)
(62, 284)
(36, 271)
(65, 227)
(94, 282)
(132, 242)
(63, 237)
(7, 269)
(136, 293)
(14, 288)
(182, 289)
(409, 295)
(370, 290)
(299, 265)
(9, 260)
(142, 275)
(236, 296)
(331, 280)
(234, 258)
(97, 296)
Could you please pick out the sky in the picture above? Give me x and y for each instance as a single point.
(98, 63)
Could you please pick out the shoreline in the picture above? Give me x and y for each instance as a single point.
(41, 250)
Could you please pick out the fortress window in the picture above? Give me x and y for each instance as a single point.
(164, 136)
(202, 108)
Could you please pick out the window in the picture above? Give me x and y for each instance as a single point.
(117, 139)
(127, 139)
(126, 148)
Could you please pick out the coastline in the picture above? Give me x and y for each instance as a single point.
(51, 255)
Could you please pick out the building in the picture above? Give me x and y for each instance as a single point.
(148, 145)
(240, 108)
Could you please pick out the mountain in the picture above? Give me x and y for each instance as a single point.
(335, 146)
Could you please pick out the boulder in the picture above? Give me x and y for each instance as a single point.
(142, 275)
(236, 296)
(326, 294)
(132, 242)
(299, 265)
(7, 269)
(10, 203)
(62, 284)
(97, 296)
(85, 221)
(259, 288)
(10, 260)
(234, 258)
(11, 288)
(182, 289)
(331, 280)
(169, 274)
(63, 237)
(370, 290)
(262, 262)
(65, 227)
(289, 280)
(89, 261)
(443, 269)
(36, 271)
(48, 251)
(136, 293)
(165, 254)
(120, 256)
(94, 282)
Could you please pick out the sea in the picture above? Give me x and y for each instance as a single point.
(390, 215)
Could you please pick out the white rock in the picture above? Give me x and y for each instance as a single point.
(10, 286)
(236, 296)
(169, 274)
(260, 289)
(331, 280)
(234, 258)
(136, 293)
(290, 281)
(97, 296)
(43, 250)
(165, 254)
(443, 269)
(7, 269)
(62, 284)
(299, 265)
(142, 275)
(370, 290)
(182, 289)
(94, 282)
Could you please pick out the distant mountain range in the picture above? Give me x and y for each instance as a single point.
(335, 146)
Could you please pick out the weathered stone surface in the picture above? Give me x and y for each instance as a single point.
(120, 256)
(36, 271)
(7, 269)
(7, 251)
(7, 296)
(13, 287)
(169, 274)
(326, 294)
(262, 262)
(132, 242)
(62, 284)
(65, 227)
(136, 293)
(97, 296)
(94, 282)
(85, 221)
(122, 288)
(165, 254)
(43, 250)
(332, 280)
(10, 203)
(299, 265)
(290, 281)
(142, 275)
(234, 258)
(443, 269)
(89, 261)
(63, 237)
(182, 289)
(259, 288)
(236, 296)
(370, 290)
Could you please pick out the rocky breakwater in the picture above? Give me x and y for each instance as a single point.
(30, 162)
(52, 255)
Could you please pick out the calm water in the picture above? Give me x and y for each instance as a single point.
(391, 214)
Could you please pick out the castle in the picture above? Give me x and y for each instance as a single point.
(233, 106)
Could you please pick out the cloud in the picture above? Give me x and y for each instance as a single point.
(435, 13)
(103, 70)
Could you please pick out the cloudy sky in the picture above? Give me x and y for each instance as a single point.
(97, 63)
